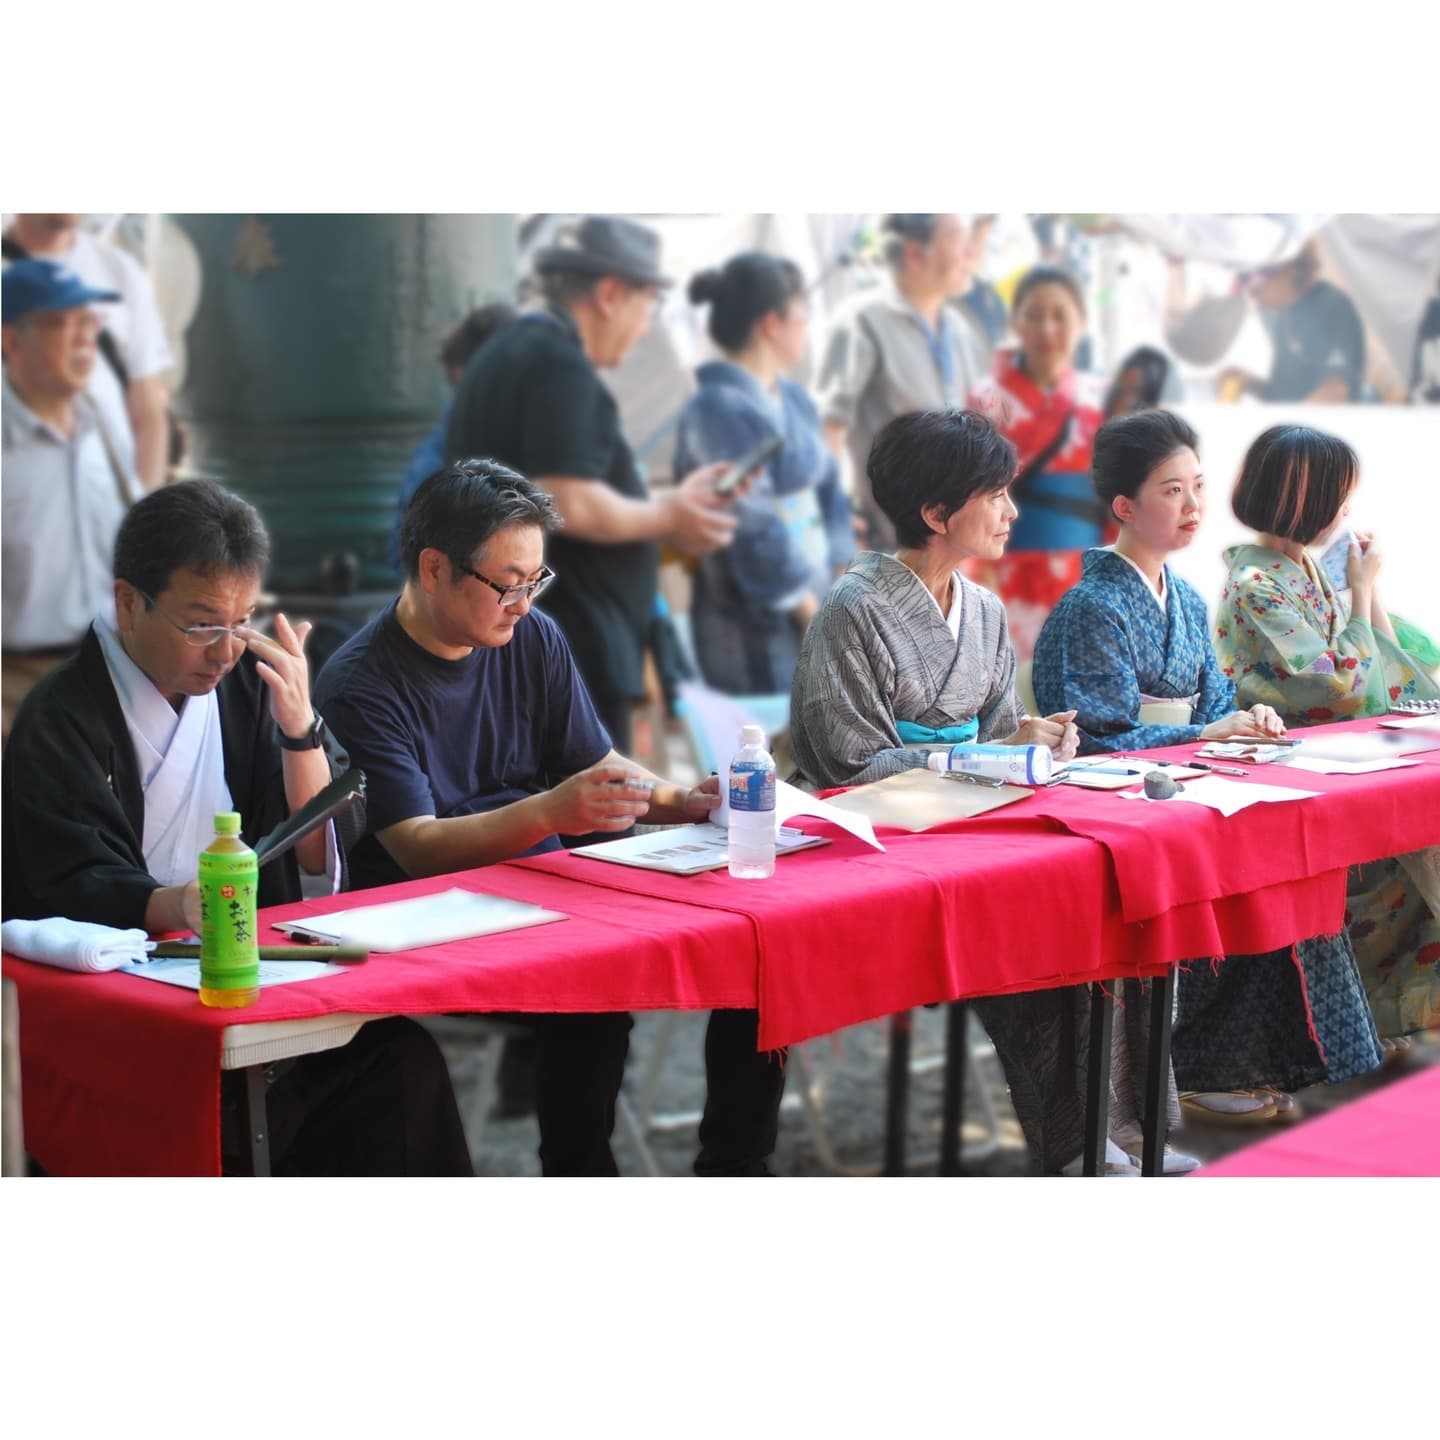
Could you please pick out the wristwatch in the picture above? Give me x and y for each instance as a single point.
(312, 739)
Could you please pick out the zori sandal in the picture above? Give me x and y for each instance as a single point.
(1228, 1107)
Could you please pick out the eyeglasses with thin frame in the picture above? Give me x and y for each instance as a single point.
(512, 595)
(202, 636)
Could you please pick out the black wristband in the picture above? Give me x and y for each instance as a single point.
(312, 739)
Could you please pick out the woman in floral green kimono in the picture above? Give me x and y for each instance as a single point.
(1288, 639)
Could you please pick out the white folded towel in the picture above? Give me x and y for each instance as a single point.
(73, 944)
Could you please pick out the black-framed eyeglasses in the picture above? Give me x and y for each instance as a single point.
(511, 595)
(201, 636)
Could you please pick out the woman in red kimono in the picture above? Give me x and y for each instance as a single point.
(1051, 413)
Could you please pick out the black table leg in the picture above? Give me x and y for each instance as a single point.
(1157, 1079)
(1097, 1087)
(897, 1093)
(954, 1106)
(253, 1118)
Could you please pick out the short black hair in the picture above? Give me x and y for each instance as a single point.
(1293, 482)
(458, 508)
(935, 457)
(1038, 275)
(747, 288)
(1129, 447)
(191, 525)
(473, 331)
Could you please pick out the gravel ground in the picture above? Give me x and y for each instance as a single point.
(851, 1070)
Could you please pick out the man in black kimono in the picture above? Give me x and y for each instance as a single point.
(118, 763)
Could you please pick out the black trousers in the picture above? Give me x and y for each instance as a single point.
(744, 1088)
(618, 717)
(381, 1105)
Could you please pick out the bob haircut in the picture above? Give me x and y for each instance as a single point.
(935, 457)
(1293, 482)
(458, 508)
(1129, 447)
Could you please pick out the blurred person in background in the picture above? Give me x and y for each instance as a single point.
(1425, 373)
(532, 398)
(753, 600)
(1291, 641)
(1050, 411)
(68, 483)
(1144, 380)
(133, 347)
(980, 301)
(455, 352)
(900, 350)
(1317, 334)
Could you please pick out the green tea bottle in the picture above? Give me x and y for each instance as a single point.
(229, 957)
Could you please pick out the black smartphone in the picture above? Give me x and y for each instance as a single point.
(748, 463)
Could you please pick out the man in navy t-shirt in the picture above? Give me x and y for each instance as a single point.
(480, 743)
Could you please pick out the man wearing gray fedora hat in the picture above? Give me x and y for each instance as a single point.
(532, 398)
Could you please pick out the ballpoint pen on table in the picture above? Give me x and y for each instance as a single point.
(1218, 769)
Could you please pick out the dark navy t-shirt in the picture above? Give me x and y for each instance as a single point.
(455, 737)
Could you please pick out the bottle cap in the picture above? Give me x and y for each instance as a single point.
(227, 823)
(938, 760)
(752, 735)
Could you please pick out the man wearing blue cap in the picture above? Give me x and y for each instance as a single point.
(67, 483)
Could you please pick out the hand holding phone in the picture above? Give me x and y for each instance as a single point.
(748, 464)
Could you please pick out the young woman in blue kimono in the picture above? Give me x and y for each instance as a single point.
(1289, 639)
(1129, 650)
(753, 599)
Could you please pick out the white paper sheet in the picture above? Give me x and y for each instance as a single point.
(1318, 765)
(1227, 796)
(423, 920)
(186, 973)
(686, 849)
(1379, 745)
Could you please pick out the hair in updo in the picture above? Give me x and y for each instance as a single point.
(1129, 447)
(746, 289)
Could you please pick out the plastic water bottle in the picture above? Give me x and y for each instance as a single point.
(752, 808)
(229, 953)
(1014, 764)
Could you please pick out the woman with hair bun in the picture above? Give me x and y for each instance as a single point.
(753, 600)
(1290, 640)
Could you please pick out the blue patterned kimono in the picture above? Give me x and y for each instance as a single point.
(1247, 1022)
(1106, 644)
(793, 535)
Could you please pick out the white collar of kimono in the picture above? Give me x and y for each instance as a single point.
(957, 602)
(182, 764)
(1159, 592)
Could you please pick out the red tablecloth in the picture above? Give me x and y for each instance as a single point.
(845, 933)
(121, 1075)
(1166, 855)
(1395, 1131)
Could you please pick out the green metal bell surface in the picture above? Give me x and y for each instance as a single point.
(312, 368)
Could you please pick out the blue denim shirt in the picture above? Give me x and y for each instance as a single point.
(794, 529)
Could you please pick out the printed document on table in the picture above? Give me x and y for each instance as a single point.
(422, 920)
(1227, 796)
(686, 849)
(186, 973)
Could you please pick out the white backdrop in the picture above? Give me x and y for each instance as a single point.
(1398, 496)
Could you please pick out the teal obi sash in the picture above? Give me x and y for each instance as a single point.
(912, 734)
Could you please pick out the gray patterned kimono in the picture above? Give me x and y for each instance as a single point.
(880, 651)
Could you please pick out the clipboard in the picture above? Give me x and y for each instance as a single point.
(918, 800)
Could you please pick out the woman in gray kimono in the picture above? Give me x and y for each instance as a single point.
(906, 651)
